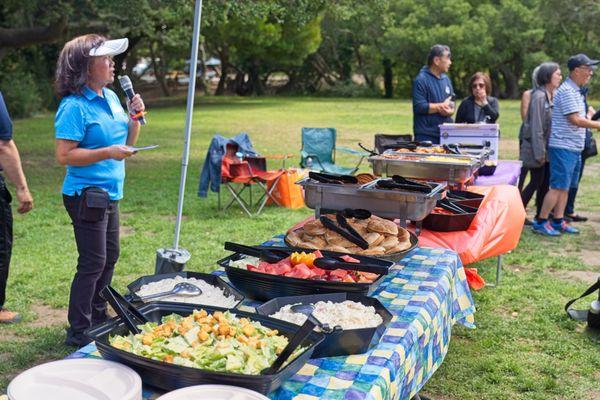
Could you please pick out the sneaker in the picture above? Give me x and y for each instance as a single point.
(576, 218)
(565, 228)
(545, 229)
(9, 317)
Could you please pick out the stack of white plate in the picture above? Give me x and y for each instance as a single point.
(81, 379)
(213, 392)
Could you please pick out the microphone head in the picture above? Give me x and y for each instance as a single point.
(125, 82)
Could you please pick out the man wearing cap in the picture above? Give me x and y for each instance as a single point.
(567, 138)
(432, 95)
(10, 164)
(93, 138)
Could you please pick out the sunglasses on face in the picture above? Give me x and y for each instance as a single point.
(478, 86)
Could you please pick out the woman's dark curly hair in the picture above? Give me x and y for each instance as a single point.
(73, 64)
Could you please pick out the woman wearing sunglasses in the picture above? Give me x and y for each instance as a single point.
(478, 107)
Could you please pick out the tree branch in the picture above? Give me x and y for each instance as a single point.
(23, 37)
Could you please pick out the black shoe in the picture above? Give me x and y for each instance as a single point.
(575, 218)
(528, 222)
(76, 340)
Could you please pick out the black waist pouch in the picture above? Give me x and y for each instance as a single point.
(94, 203)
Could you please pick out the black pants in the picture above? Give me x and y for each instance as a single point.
(98, 247)
(542, 190)
(6, 238)
(535, 183)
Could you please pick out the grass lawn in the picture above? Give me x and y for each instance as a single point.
(524, 346)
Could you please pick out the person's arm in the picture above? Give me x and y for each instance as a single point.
(67, 153)
(491, 109)
(581, 122)
(134, 126)
(525, 99)
(10, 161)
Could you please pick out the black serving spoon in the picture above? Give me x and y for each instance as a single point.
(270, 256)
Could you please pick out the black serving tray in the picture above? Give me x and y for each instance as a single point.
(213, 280)
(450, 222)
(264, 287)
(337, 343)
(170, 377)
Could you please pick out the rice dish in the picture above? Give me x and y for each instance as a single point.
(347, 314)
(210, 296)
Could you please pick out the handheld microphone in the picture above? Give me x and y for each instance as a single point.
(127, 87)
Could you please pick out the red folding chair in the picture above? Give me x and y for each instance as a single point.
(238, 175)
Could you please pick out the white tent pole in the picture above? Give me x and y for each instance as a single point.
(188, 119)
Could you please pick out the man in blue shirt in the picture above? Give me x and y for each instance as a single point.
(566, 142)
(433, 95)
(10, 163)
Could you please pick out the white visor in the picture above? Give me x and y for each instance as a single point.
(110, 48)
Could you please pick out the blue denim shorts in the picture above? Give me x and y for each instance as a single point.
(565, 167)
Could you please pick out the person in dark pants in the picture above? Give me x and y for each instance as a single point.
(93, 138)
(535, 130)
(432, 95)
(10, 164)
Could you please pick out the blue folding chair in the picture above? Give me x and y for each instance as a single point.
(318, 151)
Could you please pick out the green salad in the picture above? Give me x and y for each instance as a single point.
(216, 342)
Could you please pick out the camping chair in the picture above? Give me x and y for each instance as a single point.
(384, 142)
(318, 151)
(238, 175)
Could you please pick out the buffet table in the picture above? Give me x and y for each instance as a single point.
(507, 172)
(427, 293)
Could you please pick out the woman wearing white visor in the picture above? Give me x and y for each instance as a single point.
(93, 135)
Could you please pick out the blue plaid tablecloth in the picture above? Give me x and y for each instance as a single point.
(427, 292)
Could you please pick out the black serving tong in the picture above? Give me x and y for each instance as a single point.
(332, 178)
(124, 309)
(301, 334)
(452, 148)
(412, 145)
(399, 182)
(353, 237)
(331, 263)
(452, 207)
(371, 152)
(268, 255)
(358, 213)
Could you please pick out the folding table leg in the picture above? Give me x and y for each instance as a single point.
(498, 272)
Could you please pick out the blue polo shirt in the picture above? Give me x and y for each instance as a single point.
(428, 88)
(94, 121)
(6, 127)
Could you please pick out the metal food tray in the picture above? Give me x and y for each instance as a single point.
(405, 205)
(423, 169)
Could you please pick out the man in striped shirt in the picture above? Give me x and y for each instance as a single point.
(567, 138)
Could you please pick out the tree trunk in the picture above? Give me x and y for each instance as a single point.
(495, 83)
(255, 82)
(511, 82)
(224, 57)
(159, 72)
(388, 78)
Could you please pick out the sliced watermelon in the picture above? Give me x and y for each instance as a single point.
(318, 253)
(369, 275)
(340, 273)
(253, 268)
(347, 258)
